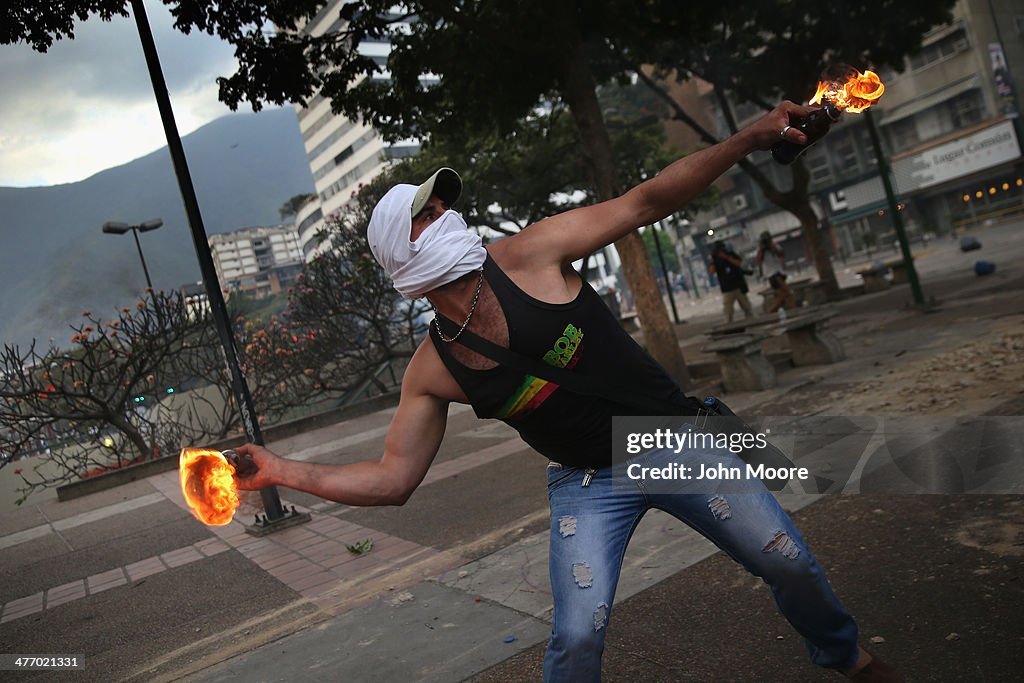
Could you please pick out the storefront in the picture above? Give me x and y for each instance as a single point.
(958, 181)
(973, 178)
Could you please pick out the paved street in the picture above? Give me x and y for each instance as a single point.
(456, 584)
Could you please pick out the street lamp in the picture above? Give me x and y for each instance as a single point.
(115, 228)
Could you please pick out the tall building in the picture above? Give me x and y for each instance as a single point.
(949, 125)
(342, 153)
(259, 261)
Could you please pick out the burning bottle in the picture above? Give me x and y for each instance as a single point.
(814, 126)
(207, 482)
(853, 92)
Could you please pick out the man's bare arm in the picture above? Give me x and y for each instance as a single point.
(574, 234)
(412, 441)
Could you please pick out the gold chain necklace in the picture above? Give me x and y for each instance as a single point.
(472, 308)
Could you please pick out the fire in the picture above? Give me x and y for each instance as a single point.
(208, 485)
(854, 94)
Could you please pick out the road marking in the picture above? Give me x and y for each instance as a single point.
(24, 536)
(337, 444)
(450, 468)
(79, 519)
(358, 438)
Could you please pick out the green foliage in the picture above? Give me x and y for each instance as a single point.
(509, 180)
(40, 23)
(667, 250)
(537, 170)
(771, 50)
(360, 548)
(294, 205)
(246, 306)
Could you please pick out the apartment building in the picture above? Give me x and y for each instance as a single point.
(259, 261)
(342, 153)
(949, 125)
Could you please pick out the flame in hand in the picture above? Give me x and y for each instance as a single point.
(207, 482)
(854, 92)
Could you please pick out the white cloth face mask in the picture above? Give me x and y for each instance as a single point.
(444, 252)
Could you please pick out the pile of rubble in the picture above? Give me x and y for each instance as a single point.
(968, 380)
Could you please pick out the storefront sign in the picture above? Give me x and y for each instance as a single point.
(958, 158)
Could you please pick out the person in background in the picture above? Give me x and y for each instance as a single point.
(769, 260)
(728, 266)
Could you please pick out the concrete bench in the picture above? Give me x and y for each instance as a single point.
(810, 340)
(899, 271)
(742, 362)
(744, 325)
(809, 292)
(630, 322)
(874, 278)
(806, 292)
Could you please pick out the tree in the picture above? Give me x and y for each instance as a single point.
(107, 401)
(152, 380)
(536, 169)
(344, 318)
(760, 53)
(486, 65)
(40, 23)
(509, 180)
(472, 65)
(293, 205)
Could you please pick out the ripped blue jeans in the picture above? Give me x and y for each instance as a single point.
(590, 527)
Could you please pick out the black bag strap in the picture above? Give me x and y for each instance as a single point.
(590, 386)
(573, 381)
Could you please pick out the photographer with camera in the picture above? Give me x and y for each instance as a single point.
(728, 266)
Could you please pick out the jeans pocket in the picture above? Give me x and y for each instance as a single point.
(558, 477)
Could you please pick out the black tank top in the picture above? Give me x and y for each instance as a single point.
(580, 336)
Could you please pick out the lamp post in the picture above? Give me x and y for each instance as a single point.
(275, 517)
(114, 228)
(894, 209)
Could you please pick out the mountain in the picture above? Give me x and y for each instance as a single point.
(55, 262)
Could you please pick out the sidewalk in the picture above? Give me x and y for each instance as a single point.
(456, 585)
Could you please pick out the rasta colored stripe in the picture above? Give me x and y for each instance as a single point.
(530, 394)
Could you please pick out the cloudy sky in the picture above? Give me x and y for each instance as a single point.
(87, 104)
